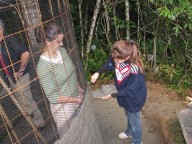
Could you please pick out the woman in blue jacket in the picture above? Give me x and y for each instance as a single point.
(130, 83)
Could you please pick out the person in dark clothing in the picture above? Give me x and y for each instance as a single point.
(130, 84)
(14, 63)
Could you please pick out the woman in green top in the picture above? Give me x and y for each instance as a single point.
(57, 75)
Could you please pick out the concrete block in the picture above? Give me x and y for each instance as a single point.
(185, 120)
(104, 90)
(108, 89)
(97, 93)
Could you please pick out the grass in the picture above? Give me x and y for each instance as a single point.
(176, 132)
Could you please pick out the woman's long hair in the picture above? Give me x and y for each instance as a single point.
(49, 33)
(127, 49)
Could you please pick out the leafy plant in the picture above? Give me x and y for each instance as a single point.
(176, 132)
(176, 11)
(95, 61)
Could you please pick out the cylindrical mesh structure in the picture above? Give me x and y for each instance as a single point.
(43, 99)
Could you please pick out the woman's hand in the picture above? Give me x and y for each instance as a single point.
(81, 91)
(94, 77)
(67, 99)
(78, 99)
(18, 74)
(106, 97)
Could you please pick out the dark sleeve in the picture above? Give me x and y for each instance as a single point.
(114, 94)
(108, 66)
(16, 45)
(131, 87)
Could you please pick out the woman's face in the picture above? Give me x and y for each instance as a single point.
(116, 60)
(57, 43)
(119, 60)
(60, 40)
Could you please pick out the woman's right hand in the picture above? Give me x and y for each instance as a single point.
(67, 99)
(94, 77)
(78, 99)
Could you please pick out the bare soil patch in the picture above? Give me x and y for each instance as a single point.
(161, 108)
(159, 111)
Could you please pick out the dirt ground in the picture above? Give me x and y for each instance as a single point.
(161, 107)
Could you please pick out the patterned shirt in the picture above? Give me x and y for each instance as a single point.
(123, 70)
(57, 76)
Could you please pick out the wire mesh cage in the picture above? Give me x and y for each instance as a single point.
(42, 83)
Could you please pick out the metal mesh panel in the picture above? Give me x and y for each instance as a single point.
(18, 108)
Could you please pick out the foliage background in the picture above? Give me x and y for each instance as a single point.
(161, 27)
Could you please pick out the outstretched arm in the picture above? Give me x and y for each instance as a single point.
(94, 77)
(108, 66)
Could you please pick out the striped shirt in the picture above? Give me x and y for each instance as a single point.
(123, 70)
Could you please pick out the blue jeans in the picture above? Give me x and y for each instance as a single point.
(134, 127)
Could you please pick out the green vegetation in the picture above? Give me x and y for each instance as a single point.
(176, 132)
(161, 27)
(95, 60)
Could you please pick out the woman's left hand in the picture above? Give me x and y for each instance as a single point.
(81, 91)
(78, 99)
(106, 97)
(18, 74)
(67, 99)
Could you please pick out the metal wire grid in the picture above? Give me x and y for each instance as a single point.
(21, 17)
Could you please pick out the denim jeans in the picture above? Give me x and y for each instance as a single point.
(134, 127)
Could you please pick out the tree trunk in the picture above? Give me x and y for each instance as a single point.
(31, 16)
(155, 48)
(96, 11)
(127, 19)
(114, 16)
(81, 29)
(138, 21)
(154, 53)
(86, 17)
(107, 23)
